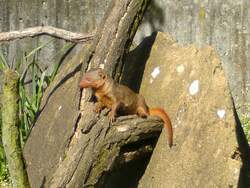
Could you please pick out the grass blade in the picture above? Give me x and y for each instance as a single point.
(3, 62)
(38, 48)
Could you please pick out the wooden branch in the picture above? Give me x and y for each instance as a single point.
(82, 148)
(45, 30)
(82, 166)
(106, 140)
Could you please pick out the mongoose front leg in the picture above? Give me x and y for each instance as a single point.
(98, 107)
(113, 113)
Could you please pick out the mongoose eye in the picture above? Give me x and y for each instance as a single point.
(102, 75)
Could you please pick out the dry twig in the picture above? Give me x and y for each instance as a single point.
(46, 30)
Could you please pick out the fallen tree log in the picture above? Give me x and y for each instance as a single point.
(125, 18)
(101, 149)
(76, 143)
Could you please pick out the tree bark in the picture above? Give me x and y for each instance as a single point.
(86, 162)
(97, 152)
(10, 136)
(76, 148)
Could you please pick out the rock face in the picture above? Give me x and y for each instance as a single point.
(55, 124)
(190, 84)
(221, 24)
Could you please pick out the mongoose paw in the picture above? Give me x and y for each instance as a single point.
(111, 117)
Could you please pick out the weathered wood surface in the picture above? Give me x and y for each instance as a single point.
(113, 38)
(101, 149)
(83, 146)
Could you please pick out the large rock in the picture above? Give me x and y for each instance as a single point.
(54, 127)
(187, 82)
(190, 84)
(224, 25)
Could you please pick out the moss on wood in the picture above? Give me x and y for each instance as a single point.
(10, 136)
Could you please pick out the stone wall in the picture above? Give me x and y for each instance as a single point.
(225, 25)
(77, 15)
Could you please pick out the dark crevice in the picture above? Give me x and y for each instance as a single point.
(135, 63)
(127, 174)
(74, 130)
(136, 145)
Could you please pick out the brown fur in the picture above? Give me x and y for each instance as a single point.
(120, 99)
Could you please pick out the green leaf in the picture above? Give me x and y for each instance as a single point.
(40, 89)
(38, 48)
(3, 62)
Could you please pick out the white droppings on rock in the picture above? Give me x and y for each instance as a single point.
(194, 87)
(155, 72)
(59, 108)
(180, 68)
(221, 113)
(122, 128)
(101, 66)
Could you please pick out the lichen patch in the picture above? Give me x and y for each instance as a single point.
(101, 66)
(122, 128)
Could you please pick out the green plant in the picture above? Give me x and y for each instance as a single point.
(246, 127)
(30, 94)
(245, 121)
(30, 100)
